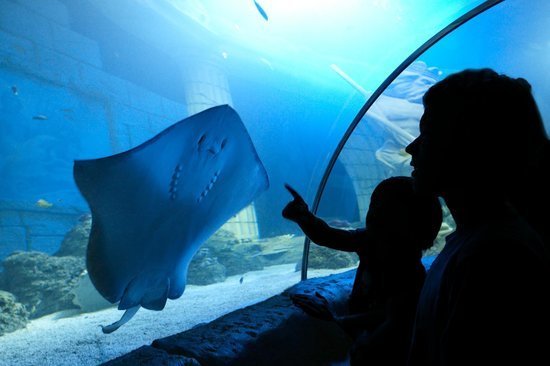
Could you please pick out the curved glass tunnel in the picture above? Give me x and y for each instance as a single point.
(516, 45)
(87, 79)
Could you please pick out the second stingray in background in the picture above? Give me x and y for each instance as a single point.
(154, 205)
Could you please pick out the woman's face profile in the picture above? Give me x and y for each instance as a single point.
(429, 153)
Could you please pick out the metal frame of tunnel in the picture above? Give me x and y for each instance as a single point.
(419, 51)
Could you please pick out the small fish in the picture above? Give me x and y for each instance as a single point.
(261, 10)
(14, 90)
(241, 280)
(40, 117)
(42, 203)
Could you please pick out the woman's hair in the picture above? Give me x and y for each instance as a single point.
(491, 114)
(416, 217)
(495, 123)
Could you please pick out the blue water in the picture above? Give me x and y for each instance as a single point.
(85, 79)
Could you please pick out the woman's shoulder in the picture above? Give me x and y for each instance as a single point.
(510, 240)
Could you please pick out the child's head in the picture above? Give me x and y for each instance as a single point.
(397, 211)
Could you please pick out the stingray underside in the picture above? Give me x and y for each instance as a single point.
(154, 205)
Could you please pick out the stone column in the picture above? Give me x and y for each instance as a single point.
(206, 86)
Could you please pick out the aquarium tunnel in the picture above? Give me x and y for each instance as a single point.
(95, 168)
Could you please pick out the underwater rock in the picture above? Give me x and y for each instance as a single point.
(321, 257)
(148, 355)
(41, 282)
(76, 240)
(281, 249)
(237, 257)
(205, 269)
(13, 315)
(240, 259)
(221, 240)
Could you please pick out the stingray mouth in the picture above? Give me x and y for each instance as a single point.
(208, 187)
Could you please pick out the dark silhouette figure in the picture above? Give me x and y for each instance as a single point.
(400, 224)
(485, 298)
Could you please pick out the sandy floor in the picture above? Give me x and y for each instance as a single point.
(69, 339)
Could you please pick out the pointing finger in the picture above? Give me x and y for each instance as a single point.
(293, 192)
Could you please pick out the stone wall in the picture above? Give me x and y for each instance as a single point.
(58, 104)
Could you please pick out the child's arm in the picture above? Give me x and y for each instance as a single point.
(318, 306)
(319, 231)
(356, 323)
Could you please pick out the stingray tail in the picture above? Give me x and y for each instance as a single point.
(128, 314)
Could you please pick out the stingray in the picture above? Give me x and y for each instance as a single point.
(154, 205)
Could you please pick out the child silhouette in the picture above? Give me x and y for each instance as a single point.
(400, 224)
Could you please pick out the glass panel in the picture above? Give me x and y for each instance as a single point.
(375, 150)
(88, 79)
(511, 38)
